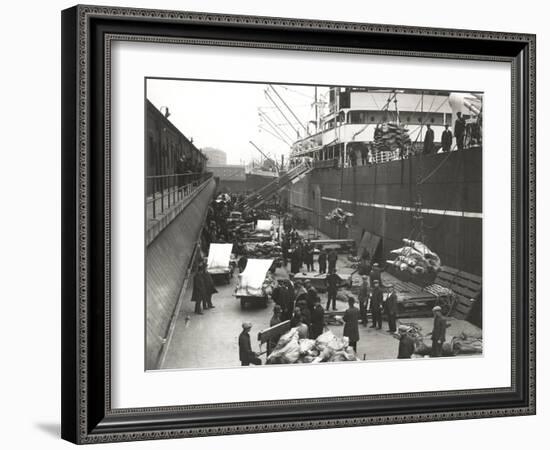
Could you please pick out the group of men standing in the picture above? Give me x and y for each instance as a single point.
(446, 136)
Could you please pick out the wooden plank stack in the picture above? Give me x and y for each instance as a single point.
(466, 287)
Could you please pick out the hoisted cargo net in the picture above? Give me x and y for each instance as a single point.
(340, 216)
(390, 136)
(415, 257)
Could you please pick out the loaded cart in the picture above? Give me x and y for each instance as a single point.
(219, 261)
(255, 282)
(263, 231)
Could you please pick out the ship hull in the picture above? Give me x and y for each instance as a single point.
(446, 189)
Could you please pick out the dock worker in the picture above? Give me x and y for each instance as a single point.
(322, 259)
(305, 314)
(375, 274)
(311, 296)
(308, 256)
(246, 355)
(351, 327)
(364, 292)
(209, 289)
(275, 320)
(332, 288)
(295, 260)
(438, 332)
(332, 258)
(199, 290)
(406, 342)
(376, 305)
(391, 308)
(317, 320)
(446, 139)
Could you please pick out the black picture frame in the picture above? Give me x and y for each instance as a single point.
(87, 33)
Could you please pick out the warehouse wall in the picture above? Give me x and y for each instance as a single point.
(168, 259)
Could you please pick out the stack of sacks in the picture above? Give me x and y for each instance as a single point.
(326, 348)
(464, 344)
(416, 258)
(390, 137)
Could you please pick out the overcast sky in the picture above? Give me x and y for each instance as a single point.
(225, 115)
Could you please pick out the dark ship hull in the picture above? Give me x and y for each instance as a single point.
(388, 199)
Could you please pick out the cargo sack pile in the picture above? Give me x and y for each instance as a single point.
(326, 348)
(415, 257)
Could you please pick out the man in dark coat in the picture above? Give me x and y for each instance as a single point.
(277, 292)
(376, 304)
(460, 128)
(209, 289)
(285, 246)
(332, 281)
(446, 139)
(332, 258)
(308, 256)
(304, 312)
(429, 140)
(364, 292)
(438, 332)
(391, 309)
(322, 260)
(311, 295)
(351, 327)
(375, 274)
(246, 355)
(275, 320)
(295, 260)
(199, 290)
(406, 343)
(285, 300)
(317, 320)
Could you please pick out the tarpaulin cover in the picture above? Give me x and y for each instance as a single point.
(253, 277)
(264, 225)
(219, 256)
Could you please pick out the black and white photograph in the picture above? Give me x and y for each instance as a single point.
(289, 224)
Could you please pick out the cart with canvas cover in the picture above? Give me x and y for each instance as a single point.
(254, 285)
(219, 261)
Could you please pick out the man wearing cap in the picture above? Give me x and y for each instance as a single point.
(376, 305)
(406, 342)
(391, 308)
(351, 327)
(438, 332)
(246, 355)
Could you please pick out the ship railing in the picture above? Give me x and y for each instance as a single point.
(164, 191)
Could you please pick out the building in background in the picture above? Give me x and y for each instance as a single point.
(216, 157)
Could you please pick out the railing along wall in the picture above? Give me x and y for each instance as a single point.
(163, 191)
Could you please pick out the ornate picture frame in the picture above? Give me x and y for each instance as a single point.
(88, 33)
